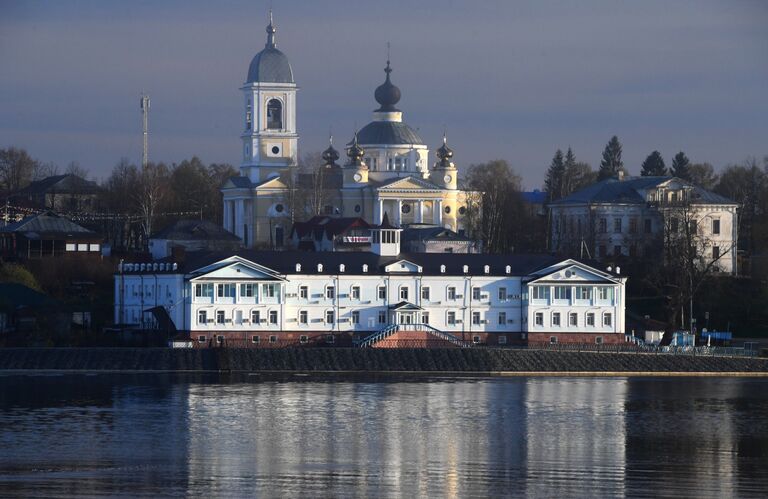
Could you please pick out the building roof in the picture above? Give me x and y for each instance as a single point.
(49, 224)
(387, 133)
(61, 184)
(270, 65)
(418, 232)
(241, 182)
(330, 227)
(195, 230)
(14, 295)
(534, 197)
(285, 262)
(632, 190)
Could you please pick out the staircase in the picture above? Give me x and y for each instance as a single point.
(388, 331)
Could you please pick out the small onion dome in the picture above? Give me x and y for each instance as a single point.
(387, 94)
(355, 153)
(331, 155)
(444, 154)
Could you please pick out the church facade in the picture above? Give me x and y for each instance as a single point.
(387, 169)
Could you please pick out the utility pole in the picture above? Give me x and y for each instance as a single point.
(145, 130)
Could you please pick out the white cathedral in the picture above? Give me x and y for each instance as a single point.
(387, 170)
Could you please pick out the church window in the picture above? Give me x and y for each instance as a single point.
(248, 115)
(274, 114)
(389, 163)
(462, 210)
(447, 210)
(406, 208)
(279, 208)
(357, 208)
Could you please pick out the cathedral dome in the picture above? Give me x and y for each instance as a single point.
(388, 133)
(270, 65)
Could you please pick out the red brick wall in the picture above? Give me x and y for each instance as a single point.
(583, 338)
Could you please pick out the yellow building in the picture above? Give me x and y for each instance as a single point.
(387, 171)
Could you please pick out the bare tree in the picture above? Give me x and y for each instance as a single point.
(152, 189)
(74, 168)
(16, 168)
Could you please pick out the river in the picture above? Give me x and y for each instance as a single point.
(155, 435)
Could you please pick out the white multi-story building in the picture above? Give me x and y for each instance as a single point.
(256, 297)
(636, 216)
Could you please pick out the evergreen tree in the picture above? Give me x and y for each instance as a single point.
(611, 164)
(680, 166)
(654, 166)
(553, 183)
(569, 173)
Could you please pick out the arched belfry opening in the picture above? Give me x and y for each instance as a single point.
(274, 114)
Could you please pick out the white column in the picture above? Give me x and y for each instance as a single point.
(225, 215)
(420, 211)
(378, 211)
(239, 217)
(399, 215)
(437, 212)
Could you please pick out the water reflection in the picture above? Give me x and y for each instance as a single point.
(460, 437)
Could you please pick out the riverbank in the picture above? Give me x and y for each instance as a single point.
(352, 360)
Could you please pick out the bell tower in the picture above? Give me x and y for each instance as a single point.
(269, 135)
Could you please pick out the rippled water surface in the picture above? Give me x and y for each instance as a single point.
(250, 436)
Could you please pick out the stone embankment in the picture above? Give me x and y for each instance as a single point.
(470, 360)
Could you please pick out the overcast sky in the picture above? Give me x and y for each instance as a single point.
(512, 80)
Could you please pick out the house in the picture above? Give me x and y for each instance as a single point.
(324, 233)
(60, 193)
(635, 217)
(425, 238)
(192, 235)
(253, 298)
(23, 309)
(48, 235)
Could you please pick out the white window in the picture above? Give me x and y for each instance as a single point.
(355, 317)
(273, 339)
(715, 226)
(330, 292)
(562, 292)
(255, 317)
(573, 319)
(605, 293)
(556, 318)
(355, 292)
(255, 339)
(82, 247)
(219, 317)
(425, 293)
(404, 293)
(382, 317)
(425, 317)
(476, 318)
(273, 316)
(247, 290)
(202, 317)
(330, 316)
(93, 247)
(201, 338)
(204, 290)
(71, 247)
(590, 319)
(225, 290)
(607, 319)
(553, 339)
(540, 292)
(303, 338)
(502, 294)
(598, 340)
(502, 318)
(303, 292)
(303, 317)
(476, 340)
(539, 319)
(476, 294)
(382, 292)
(269, 290)
(451, 318)
(451, 293)
(584, 292)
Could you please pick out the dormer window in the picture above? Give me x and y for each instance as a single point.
(487, 269)
(365, 267)
(466, 268)
(342, 267)
(442, 269)
(298, 267)
(319, 267)
(508, 269)
(274, 114)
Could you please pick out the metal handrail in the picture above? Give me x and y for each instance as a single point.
(393, 328)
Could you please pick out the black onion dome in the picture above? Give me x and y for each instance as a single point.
(387, 94)
(331, 155)
(270, 65)
(444, 154)
(355, 153)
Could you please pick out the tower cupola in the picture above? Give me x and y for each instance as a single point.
(385, 238)
(330, 155)
(444, 172)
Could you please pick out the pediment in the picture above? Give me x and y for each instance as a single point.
(403, 266)
(409, 183)
(572, 272)
(273, 183)
(236, 268)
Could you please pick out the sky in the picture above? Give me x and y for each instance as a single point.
(505, 79)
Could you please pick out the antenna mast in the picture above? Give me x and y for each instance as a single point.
(145, 130)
